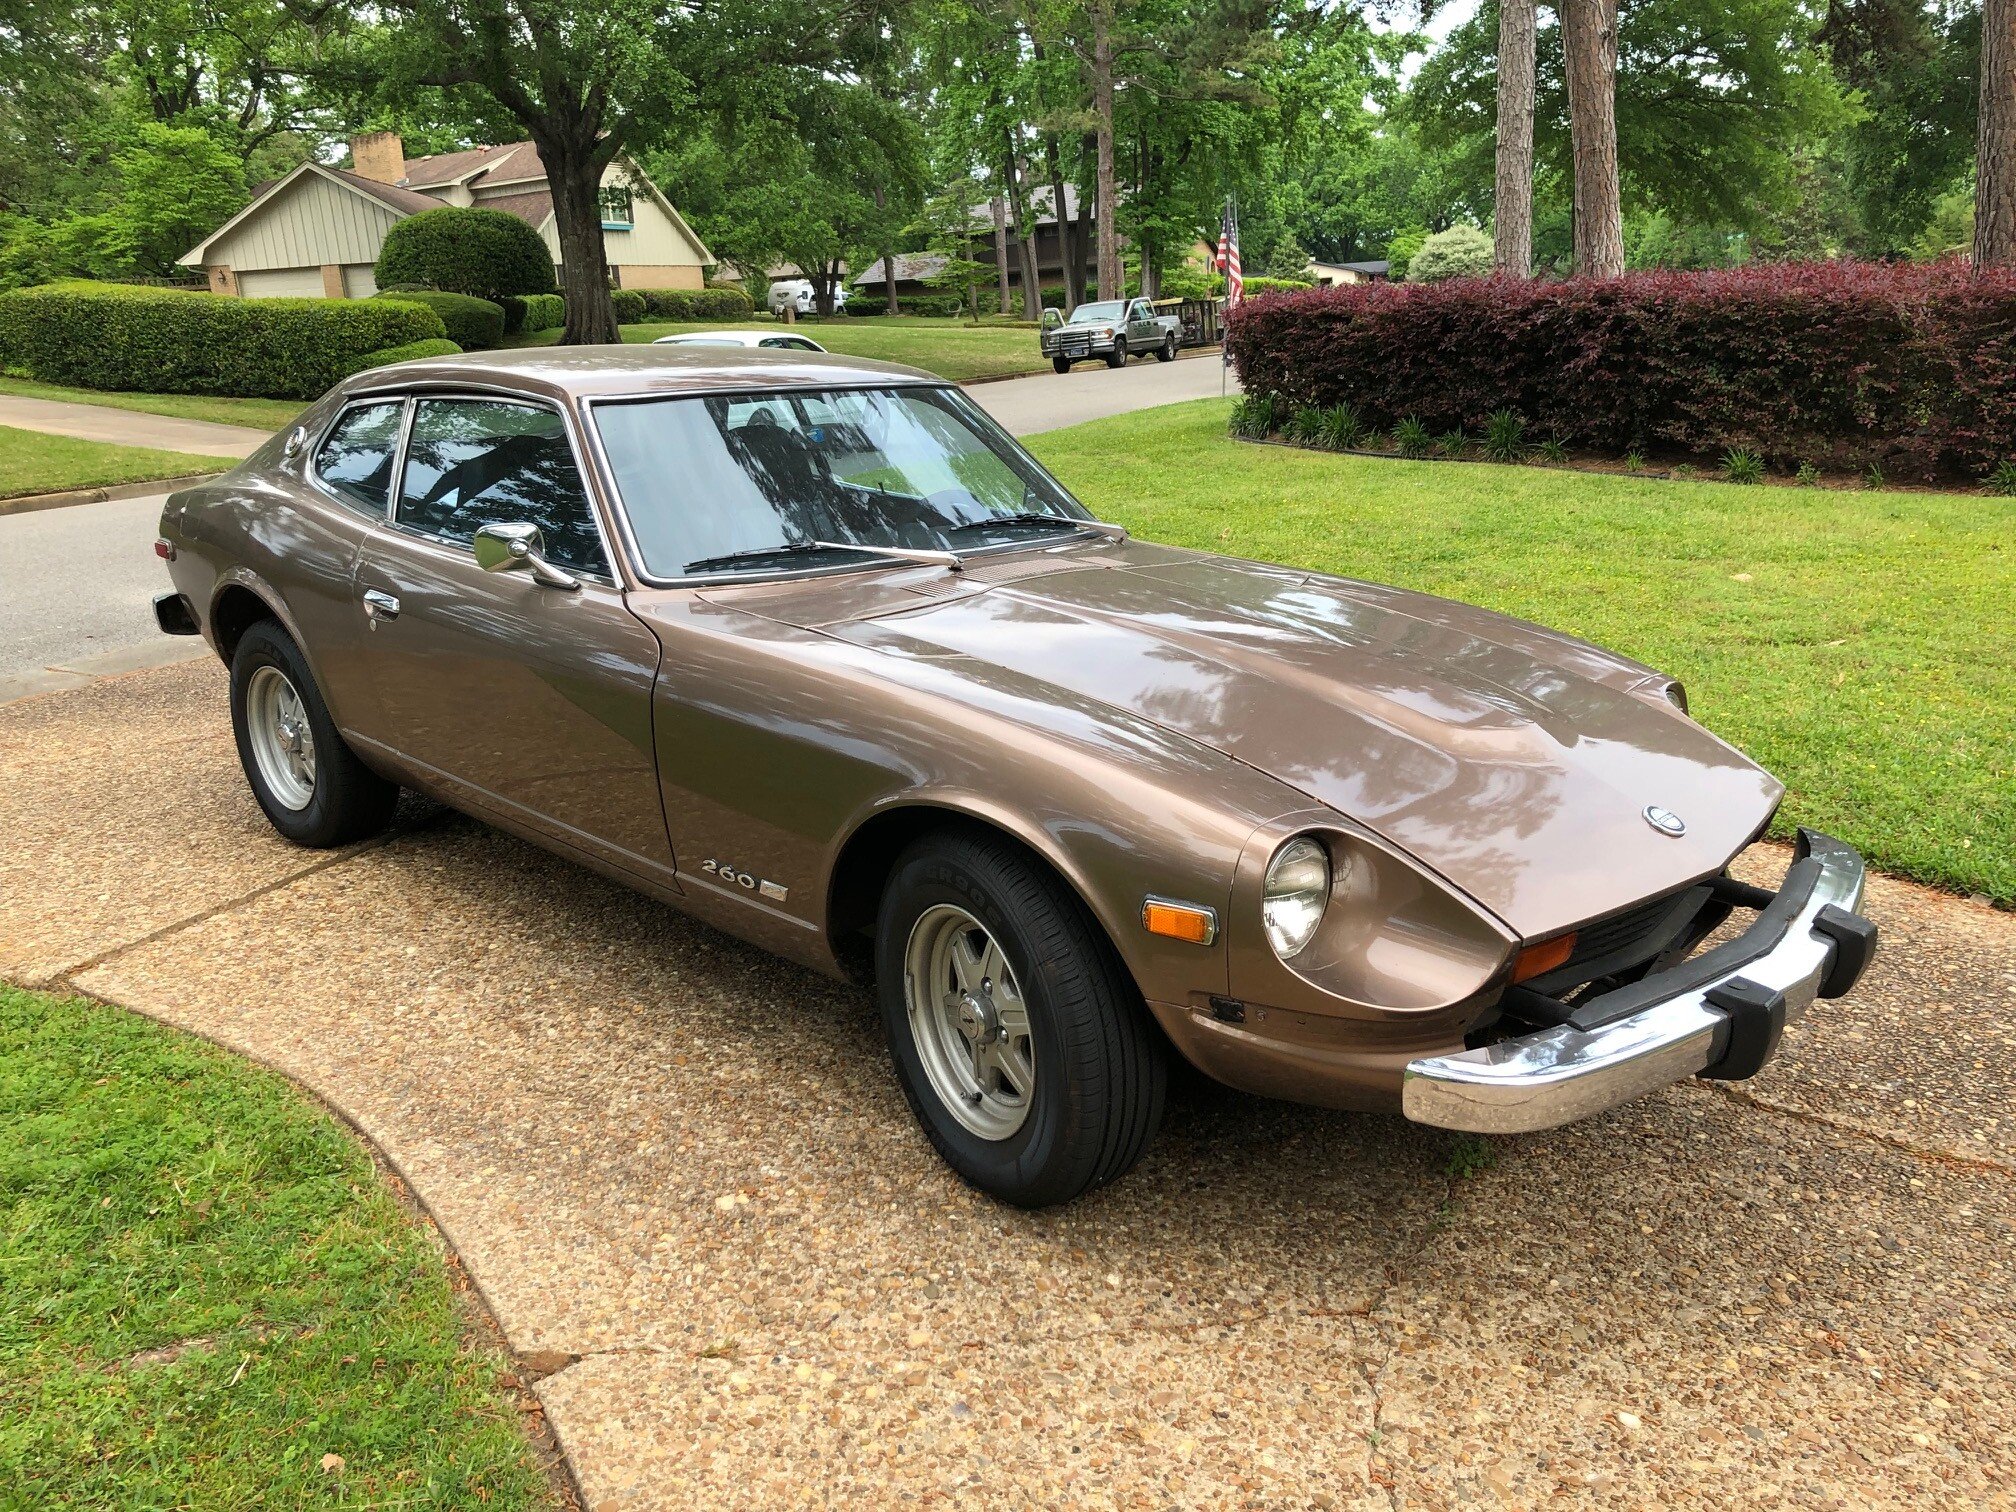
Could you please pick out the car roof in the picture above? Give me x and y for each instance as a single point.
(701, 338)
(589, 372)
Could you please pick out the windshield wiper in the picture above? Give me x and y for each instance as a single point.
(803, 548)
(1041, 517)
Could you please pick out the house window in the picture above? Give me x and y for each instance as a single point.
(615, 200)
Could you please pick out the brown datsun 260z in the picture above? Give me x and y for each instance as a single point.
(809, 648)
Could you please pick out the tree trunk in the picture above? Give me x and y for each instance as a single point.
(888, 251)
(1589, 48)
(1513, 253)
(1102, 116)
(1001, 255)
(1029, 271)
(1995, 142)
(1068, 256)
(575, 175)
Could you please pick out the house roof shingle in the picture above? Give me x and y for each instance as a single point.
(512, 160)
(532, 207)
(912, 267)
(405, 201)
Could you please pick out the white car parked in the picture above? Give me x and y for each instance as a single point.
(798, 292)
(742, 339)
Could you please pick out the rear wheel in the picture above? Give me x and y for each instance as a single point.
(1167, 351)
(1061, 364)
(1118, 356)
(310, 783)
(1021, 1043)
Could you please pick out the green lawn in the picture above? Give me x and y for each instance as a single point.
(1861, 645)
(254, 414)
(33, 463)
(208, 1290)
(950, 348)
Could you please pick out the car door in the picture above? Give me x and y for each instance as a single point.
(1142, 332)
(528, 700)
(347, 469)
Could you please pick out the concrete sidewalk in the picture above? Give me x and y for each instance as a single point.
(124, 427)
(686, 1183)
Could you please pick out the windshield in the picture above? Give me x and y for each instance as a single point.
(757, 482)
(1107, 311)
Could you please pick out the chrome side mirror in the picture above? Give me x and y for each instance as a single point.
(512, 545)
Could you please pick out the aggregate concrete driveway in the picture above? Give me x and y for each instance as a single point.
(684, 1180)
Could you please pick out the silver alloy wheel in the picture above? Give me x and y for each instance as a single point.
(283, 744)
(969, 1021)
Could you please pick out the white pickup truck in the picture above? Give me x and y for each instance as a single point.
(1114, 329)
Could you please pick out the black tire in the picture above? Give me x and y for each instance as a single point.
(1118, 356)
(349, 802)
(1167, 351)
(1100, 1069)
(1061, 364)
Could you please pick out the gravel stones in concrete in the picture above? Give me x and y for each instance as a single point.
(120, 818)
(687, 1185)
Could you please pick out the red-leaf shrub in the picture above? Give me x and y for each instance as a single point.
(1909, 366)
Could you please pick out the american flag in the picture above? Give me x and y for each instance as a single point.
(1228, 257)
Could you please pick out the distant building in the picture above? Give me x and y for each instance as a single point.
(1329, 275)
(318, 230)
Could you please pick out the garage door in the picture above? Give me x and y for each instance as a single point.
(299, 283)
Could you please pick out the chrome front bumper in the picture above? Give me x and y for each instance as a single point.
(1717, 1015)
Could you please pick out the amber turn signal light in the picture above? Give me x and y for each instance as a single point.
(1538, 960)
(1179, 921)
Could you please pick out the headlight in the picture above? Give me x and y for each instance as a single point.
(1676, 695)
(1296, 893)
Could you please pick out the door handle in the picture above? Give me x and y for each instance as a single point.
(379, 606)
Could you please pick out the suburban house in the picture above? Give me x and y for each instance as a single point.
(317, 231)
(1329, 275)
(914, 270)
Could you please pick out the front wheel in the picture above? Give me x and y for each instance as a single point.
(1118, 356)
(307, 779)
(1167, 351)
(1061, 364)
(1020, 1042)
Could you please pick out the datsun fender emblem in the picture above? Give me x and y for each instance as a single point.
(1665, 821)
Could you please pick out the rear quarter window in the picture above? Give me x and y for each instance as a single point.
(355, 460)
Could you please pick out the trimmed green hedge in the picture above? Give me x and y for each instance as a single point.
(473, 324)
(543, 312)
(630, 305)
(170, 341)
(698, 304)
(413, 351)
(466, 249)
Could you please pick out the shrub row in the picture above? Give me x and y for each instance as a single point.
(412, 351)
(630, 305)
(542, 312)
(473, 324)
(1909, 367)
(114, 336)
(695, 304)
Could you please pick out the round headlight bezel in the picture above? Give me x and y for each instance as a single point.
(1295, 894)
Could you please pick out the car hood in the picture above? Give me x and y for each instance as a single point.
(1516, 762)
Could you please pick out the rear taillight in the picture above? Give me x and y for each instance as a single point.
(164, 549)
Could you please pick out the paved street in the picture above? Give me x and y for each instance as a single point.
(76, 584)
(684, 1179)
(77, 590)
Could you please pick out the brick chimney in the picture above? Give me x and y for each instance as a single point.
(378, 155)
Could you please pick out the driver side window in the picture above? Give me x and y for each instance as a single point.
(476, 462)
